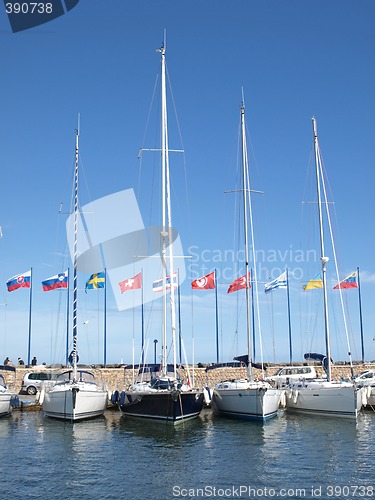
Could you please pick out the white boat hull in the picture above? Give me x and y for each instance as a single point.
(74, 401)
(246, 400)
(332, 399)
(5, 406)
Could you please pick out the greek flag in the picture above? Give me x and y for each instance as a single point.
(279, 282)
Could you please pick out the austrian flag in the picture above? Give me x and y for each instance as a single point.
(205, 283)
(131, 283)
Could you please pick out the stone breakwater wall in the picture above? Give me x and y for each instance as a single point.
(120, 378)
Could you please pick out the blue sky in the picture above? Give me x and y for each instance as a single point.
(294, 59)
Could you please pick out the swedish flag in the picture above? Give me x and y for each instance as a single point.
(96, 280)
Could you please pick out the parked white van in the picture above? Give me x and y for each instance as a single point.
(288, 373)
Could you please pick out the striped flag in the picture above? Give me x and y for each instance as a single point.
(316, 282)
(349, 282)
(279, 282)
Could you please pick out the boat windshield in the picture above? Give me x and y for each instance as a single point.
(82, 376)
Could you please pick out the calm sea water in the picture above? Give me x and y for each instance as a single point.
(112, 457)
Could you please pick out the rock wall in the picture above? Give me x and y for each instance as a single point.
(120, 378)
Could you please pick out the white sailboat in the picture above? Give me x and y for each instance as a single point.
(164, 397)
(75, 395)
(5, 393)
(247, 398)
(324, 397)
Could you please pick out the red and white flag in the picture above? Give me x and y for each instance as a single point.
(131, 283)
(205, 283)
(239, 283)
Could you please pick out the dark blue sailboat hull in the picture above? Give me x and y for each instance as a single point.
(171, 407)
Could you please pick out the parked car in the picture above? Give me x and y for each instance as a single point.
(33, 381)
(365, 378)
(284, 375)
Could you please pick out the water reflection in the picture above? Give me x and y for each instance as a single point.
(54, 459)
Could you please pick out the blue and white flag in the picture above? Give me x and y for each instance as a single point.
(157, 285)
(279, 282)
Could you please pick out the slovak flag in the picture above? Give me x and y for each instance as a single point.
(58, 281)
(205, 283)
(239, 283)
(19, 281)
(131, 283)
(349, 282)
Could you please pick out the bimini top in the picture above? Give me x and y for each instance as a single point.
(314, 356)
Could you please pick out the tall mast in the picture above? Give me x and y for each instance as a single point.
(75, 253)
(166, 223)
(323, 258)
(245, 221)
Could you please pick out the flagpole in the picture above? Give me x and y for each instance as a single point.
(142, 320)
(217, 320)
(67, 323)
(105, 317)
(29, 342)
(289, 321)
(360, 317)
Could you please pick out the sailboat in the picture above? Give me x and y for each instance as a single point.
(163, 397)
(246, 398)
(323, 396)
(75, 395)
(5, 393)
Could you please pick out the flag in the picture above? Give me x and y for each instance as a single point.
(157, 286)
(19, 281)
(96, 280)
(131, 283)
(239, 283)
(316, 282)
(205, 283)
(279, 282)
(349, 282)
(58, 281)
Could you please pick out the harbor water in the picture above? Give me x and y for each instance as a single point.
(210, 457)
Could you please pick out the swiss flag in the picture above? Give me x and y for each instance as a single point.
(131, 283)
(239, 283)
(205, 283)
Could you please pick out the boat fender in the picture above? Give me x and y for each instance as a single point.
(114, 397)
(207, 395)
(295, 396)
(15, 401)
(122, 397)
(41, 396)
(283, 399)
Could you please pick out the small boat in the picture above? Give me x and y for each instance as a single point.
(159, 393)
(5, 394)
(324, 396)
(75, 395)
(246, 398)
